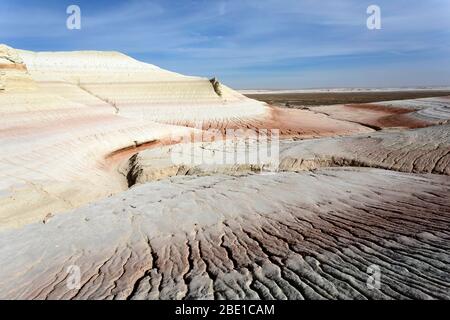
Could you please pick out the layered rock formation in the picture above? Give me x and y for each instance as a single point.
(84, 136)
(280, 236)
(63, 114)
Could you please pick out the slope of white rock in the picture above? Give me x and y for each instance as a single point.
(66, 117)
(64, 113)
(79, 128)
(309, 235)
(135, 89)
(430, 109)
(424, 150)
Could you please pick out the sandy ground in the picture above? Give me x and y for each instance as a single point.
(298, 100)
(87, 180)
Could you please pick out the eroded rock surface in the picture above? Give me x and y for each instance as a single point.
(85, 134)
(413, 113)
(234, 237)
(424, 150)
(64, 113)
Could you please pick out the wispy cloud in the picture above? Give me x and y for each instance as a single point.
(242, 40)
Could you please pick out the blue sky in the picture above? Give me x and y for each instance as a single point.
(252, 43)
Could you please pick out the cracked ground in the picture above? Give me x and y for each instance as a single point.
(229, 237)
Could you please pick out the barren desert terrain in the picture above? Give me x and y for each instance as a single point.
(88, 180)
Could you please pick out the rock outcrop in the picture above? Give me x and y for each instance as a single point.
(64, 113)
(310, 235)
(352, 190)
